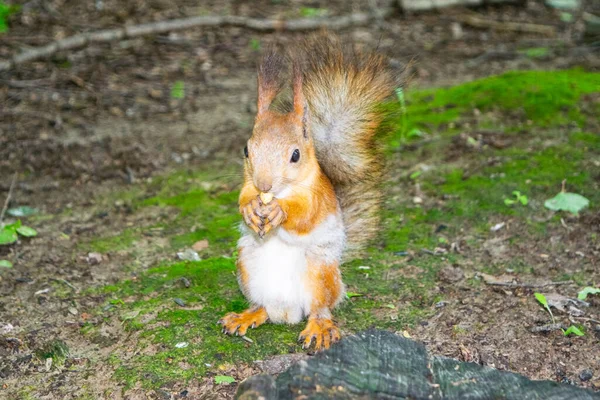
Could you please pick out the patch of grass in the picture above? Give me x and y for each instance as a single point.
(57, 350)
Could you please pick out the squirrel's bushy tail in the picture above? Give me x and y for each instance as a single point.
(344, 90)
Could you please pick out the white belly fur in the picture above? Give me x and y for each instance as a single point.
(276, 267)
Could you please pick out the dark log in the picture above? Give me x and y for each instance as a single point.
(381, 365)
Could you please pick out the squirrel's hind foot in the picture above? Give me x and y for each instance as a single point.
(322, 330)
(238, 324)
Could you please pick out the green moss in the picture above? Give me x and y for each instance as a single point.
(546, 98)
(213, 293)
(118, 242)
(214, 217)
(537, 174)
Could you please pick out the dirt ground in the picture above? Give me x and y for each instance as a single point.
(91, 132)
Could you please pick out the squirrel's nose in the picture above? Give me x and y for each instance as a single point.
(264, 186)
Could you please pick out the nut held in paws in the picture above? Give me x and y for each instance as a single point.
(266, 197)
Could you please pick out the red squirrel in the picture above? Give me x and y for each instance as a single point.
(311, 186)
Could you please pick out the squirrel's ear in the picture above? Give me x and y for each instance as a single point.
(300, 105)
(269, 81)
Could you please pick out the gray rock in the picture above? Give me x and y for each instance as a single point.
(586, 375)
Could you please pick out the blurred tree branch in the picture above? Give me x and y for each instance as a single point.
(128, 32)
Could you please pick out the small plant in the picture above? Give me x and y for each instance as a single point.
(583, 294)
(406, 134)
(518, 198)
(57, 350)
(255, 44)
(570, 330)
(6, 11)
(542, 300)
(10, 233)
(178, 90)
(5, 264)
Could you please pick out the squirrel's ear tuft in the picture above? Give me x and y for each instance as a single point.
(269, 79)
(300, 105)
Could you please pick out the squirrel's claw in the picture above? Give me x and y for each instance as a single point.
(238, 324)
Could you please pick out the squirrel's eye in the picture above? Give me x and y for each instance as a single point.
(246, 151)
(295, 156)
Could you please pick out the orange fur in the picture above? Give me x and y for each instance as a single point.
(326, 284)
(309, 207)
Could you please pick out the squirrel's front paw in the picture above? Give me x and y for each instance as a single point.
(273, 216)
(252, 217)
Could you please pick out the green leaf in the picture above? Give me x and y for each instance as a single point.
(583, 294)
(523, 199)
(566, 17)
(130, 315)
(219, 379)
(571, 202)
(352, 294)
(23, 211)
(178, 90)
(573, 330)
(509, 202)
(310, 12)
(415, 132)
(5, 264)
(8, 235)
(415, 175)
(26, 231)
(13, 226)
(542, 299)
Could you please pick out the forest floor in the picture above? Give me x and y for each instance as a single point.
(131, 153)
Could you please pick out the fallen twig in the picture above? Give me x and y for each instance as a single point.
(478, 22)
(31, 114)
(587, 319)
(8, 196)
(528, 285)
(66, 283)
(132, 31)
(547, 328)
